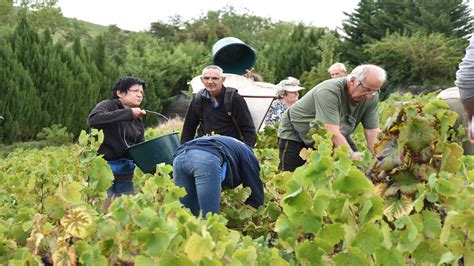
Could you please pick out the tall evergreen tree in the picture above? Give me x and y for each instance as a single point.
(294, 54)
(108, 71)
(66, 87)
(19, 101)
(358, 29)
(374, 19)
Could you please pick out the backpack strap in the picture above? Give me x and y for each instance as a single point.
(228, 101)
(198, 104)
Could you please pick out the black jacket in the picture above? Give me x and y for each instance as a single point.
(242, 164)
(218, 121)
(120, 129)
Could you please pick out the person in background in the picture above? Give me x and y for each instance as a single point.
(465, 83)
(201, 166)
(337, 70)
(288, 94)
(252, 76)
(453, 99)
(207, 110)
(120, 120)
(340, 104)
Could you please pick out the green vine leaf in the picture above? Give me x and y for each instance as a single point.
(332, 233)
(372, 210)
(353, 257)
(354, 183)
(247, 256)
(417, 133)
(428, 251)
(368, 238)
(431, 224)
(389, 257)
(445, 187)
(198, 247)
(451, 157)
(309, 252)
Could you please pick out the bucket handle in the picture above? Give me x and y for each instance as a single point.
(156, 113)
(148, 111)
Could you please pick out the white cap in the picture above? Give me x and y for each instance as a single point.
(290, 84)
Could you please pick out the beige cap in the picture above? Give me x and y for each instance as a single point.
(290, 84)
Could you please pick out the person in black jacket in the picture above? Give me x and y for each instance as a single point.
(212, 116)
(205, 164)
(120, 120)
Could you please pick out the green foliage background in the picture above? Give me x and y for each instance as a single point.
(54, 70)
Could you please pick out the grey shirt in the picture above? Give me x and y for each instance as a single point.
(465, 74)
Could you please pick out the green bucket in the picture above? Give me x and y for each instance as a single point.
(233, 55)
(152, 152)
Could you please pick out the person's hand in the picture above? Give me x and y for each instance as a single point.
(356, 156)
(248, 74)
(138, 112)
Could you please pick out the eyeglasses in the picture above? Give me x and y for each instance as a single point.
(213, 78)
(137, 91)
(367, 90)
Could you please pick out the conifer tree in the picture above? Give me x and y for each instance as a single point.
(19, 101)
(374, 19)
(294, 54)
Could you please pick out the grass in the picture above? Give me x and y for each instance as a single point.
(173, 124)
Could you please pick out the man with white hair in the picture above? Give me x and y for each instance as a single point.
(340, 104)
(337, 70)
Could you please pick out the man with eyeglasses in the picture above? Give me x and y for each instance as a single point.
(340, 104)
(207, 111)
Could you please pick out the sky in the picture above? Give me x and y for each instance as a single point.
(137, 15)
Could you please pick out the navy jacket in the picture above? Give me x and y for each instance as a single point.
(218, 121)
(242, 164)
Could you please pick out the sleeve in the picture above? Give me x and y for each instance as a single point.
(465, 74)
(191, 122)
(244, 120)
(370, 119)
(141, 137)
(101, 115)
(327, 107)
(250, 175)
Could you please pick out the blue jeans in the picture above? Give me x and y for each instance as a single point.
(199, 173)
(123, 178)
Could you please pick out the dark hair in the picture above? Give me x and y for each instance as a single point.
(124, 84)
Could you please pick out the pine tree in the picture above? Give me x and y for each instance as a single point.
(19, 101)
(375, 19)
(294, 54)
